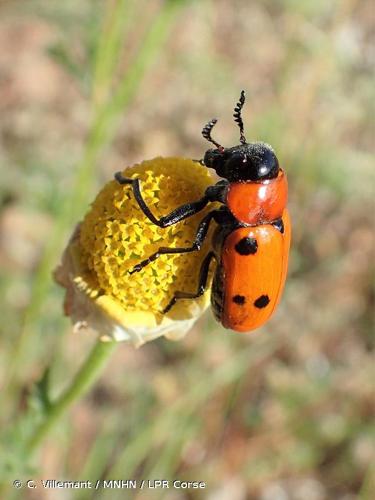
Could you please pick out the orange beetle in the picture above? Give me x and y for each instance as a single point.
(251, 242)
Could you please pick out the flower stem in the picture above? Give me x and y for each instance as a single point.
(81, 383)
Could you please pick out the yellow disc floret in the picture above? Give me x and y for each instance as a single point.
(115, 235)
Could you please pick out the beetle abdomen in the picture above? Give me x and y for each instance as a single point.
(253, 270)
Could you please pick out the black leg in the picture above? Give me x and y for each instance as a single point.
(199, 239)
(177, 215)
(203, 275)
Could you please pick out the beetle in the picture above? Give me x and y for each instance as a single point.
(251, 242)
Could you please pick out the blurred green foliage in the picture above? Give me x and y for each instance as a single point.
(89, 86)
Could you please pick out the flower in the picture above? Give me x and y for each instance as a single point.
(115, 235)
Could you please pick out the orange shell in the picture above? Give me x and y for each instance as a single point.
(257, 202)
(251, 277)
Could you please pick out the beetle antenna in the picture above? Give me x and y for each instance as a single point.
(237, 116)
(206, 132)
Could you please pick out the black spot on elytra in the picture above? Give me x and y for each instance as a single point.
(247, 246)
(239, 299)
(262, 301)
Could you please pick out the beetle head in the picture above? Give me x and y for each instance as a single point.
(253, 161)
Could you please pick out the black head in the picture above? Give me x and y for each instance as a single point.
(252, 161)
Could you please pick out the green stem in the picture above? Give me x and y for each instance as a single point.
(81, 383)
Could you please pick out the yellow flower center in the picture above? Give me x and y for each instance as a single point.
(115, 235)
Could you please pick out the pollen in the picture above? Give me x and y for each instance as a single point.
(115, 236)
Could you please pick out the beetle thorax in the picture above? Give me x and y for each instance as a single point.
(258, 202)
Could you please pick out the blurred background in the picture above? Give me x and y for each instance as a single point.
(88, 87)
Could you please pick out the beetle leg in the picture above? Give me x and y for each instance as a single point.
(202, 284)
(177, 215)
(198, 241)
